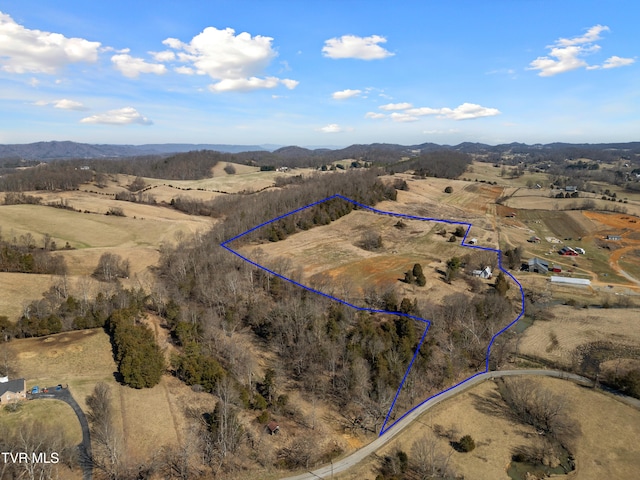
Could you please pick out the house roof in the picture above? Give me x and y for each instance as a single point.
(273, 426)
(14, 386)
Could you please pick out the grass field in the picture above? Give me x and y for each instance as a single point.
(556, 338)
(606, 448)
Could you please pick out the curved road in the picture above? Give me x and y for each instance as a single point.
(356, 457)
(84, 449)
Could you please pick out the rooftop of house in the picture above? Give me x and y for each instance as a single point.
(15, 386)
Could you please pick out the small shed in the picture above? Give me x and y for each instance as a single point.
(534, 239)
(614, 237)
(273, 427)
(473, 241)
(556, 269)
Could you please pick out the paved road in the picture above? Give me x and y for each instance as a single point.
(84, 448)
(356, 457)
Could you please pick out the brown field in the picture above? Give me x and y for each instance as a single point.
(572, 327)
(20, 289)
(135, 237)
(329, 258)
(606, 448)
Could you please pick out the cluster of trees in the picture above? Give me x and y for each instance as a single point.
(415, 276)
(440, 164)
(23, 256)
(111, 266)
(139, 358)
(545, 411)
(589, 358)
(427, 459)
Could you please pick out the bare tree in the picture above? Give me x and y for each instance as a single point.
(428, 460)
(107, 443)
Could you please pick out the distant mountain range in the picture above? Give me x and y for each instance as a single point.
(45, 151)
(68, 150)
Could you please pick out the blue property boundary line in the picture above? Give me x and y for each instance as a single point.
(386, 427)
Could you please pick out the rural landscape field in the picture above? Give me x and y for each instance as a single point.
(329, 325)
(319, 240)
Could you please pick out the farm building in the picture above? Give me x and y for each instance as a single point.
(570, 188)
(539, 266)
(12, 390)
(484, 273)
(571, 281)
(534, 239)
(568, 251)
(473, 241)
(614, 237)
(273, 427)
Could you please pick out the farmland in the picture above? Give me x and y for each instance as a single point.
(331, 258)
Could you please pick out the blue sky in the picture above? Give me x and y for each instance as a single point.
(319, 72)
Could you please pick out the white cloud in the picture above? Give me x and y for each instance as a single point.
(331, 128)
(34, 82)
(184, 70)
(351, 46)
(252, 83)
(567, 54)
(23, 50)
(466, 111)
(64, 104)
(164, 56)
(615, 61)
(290, 84)
(344, 94)
(374, 115)
(121, 116)
(132, 67)
(566, 59)
(591, 36)
(421, 111)
(395, 106)
(403, 117)
(235, 61)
